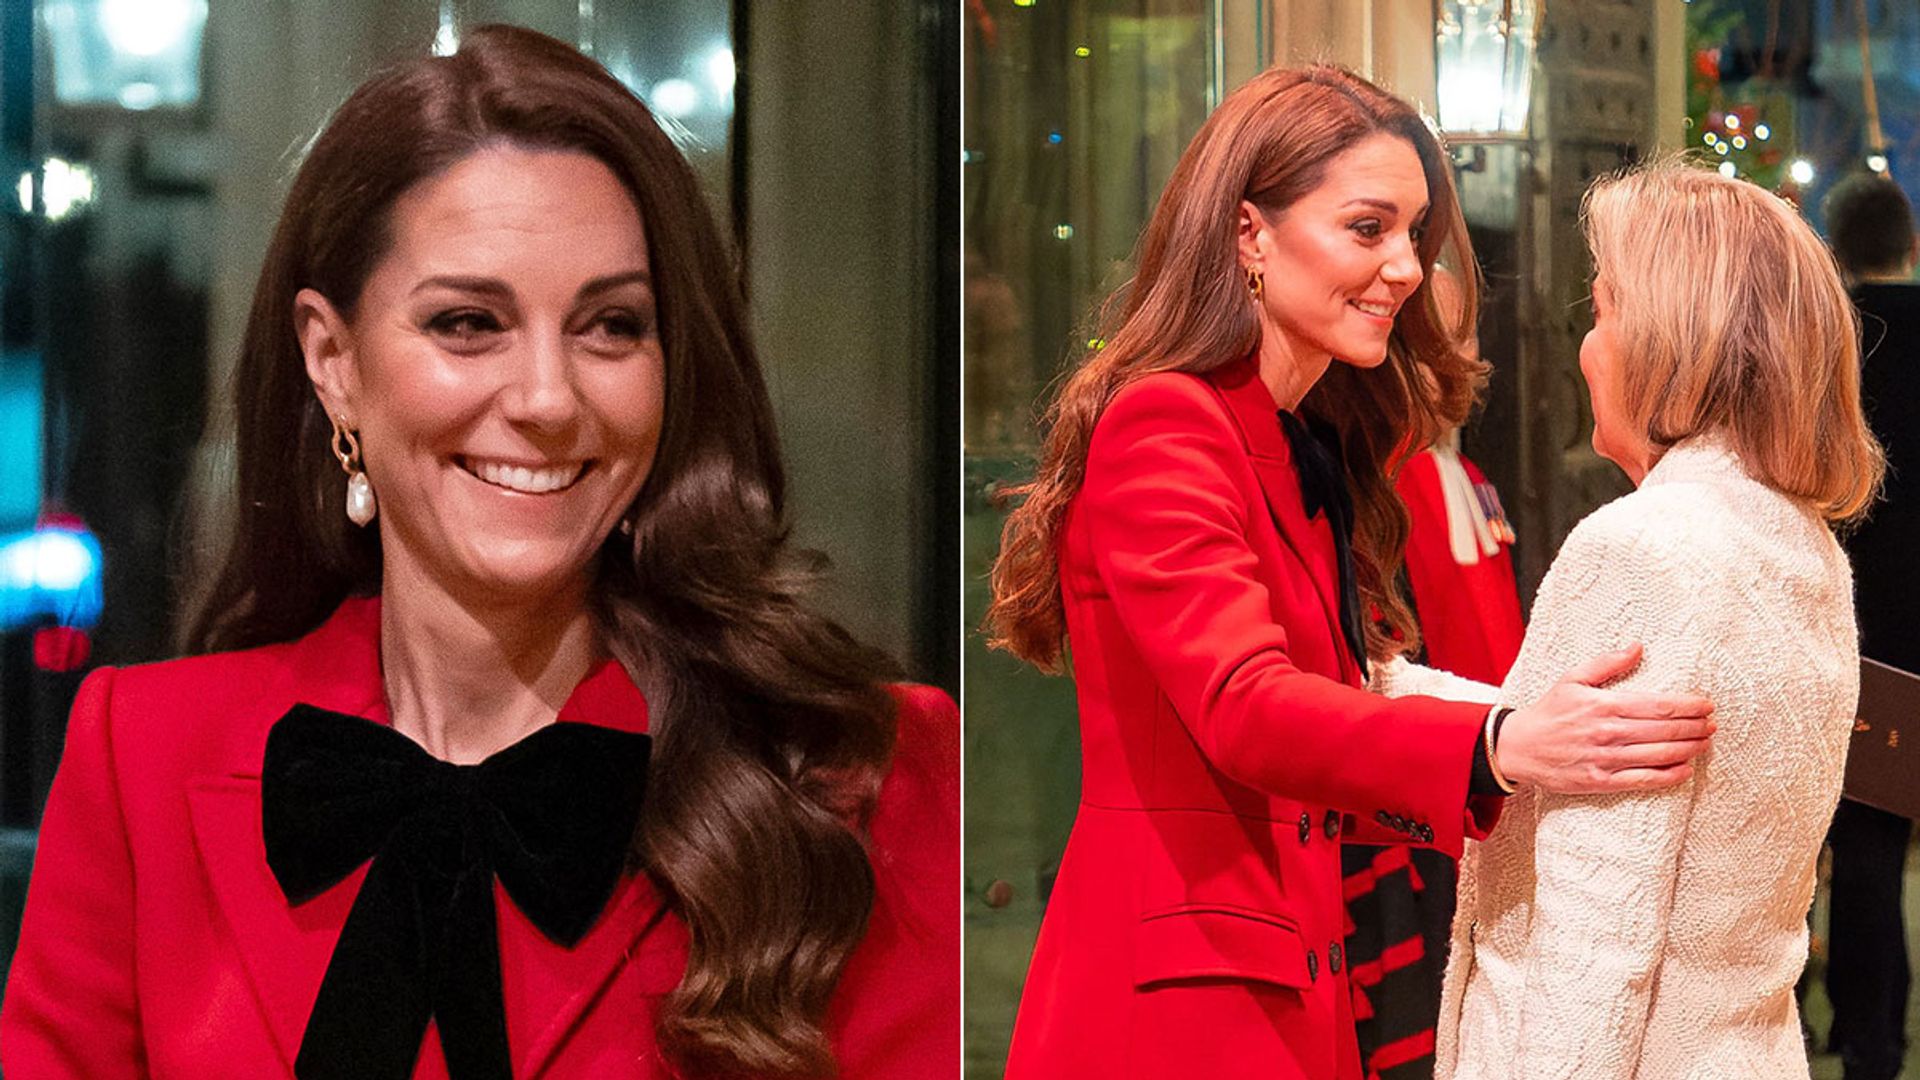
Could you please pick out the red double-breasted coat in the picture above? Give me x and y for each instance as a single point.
(1196, 925)
(156, 942)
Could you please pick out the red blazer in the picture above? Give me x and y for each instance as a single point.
(1196, 925)
(156, 942)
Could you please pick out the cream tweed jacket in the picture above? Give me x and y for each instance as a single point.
(1658, 936)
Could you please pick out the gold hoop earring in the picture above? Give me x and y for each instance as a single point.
(361, 506)
(1256, 283)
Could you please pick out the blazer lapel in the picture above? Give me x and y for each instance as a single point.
(283, 949)
(1254, 411)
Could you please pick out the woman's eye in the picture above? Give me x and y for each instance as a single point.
(1417, 234)
(1368, 228)
(464, 326)
(619, 329)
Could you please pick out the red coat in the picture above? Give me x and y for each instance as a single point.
(157, 943)
(1195, 928)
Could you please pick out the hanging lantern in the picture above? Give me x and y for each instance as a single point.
(1483, 63)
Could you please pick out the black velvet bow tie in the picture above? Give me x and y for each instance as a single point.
(552, 816)
(1323, 489)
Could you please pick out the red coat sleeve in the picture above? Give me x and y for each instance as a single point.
(71, 1009)
(1168, 528)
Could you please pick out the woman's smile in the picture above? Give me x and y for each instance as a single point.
(521, 479)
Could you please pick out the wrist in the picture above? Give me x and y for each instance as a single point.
(1496, 717)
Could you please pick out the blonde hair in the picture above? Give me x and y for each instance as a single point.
(1732, 319)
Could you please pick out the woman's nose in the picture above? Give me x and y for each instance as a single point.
(1402, 267)
(538, 390)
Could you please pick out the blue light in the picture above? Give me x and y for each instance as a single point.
(50, 575)
(1054, 137)
(20, 408)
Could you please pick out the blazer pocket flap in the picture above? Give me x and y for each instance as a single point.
(1214, 942)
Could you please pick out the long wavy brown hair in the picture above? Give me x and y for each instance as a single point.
(772, 725)
(1187, 309)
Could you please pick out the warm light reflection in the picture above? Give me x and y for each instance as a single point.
(1483, 56)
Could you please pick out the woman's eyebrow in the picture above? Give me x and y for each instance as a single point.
(498, 289)
(485, 286)
(1387, 206)
(614, 281)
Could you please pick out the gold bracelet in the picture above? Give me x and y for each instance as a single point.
(1494, 716)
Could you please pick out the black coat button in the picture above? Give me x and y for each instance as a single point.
(1399, 823)
(1383, 818)
(1426, 834)
(1332, 824)
(1313, 967)
(1335, 954)
(1306, 826)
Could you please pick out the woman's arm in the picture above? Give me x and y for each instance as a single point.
(71, 1009)
(1168, 530)
(1605, 866)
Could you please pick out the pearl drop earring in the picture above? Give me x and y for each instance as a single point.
(361, 506)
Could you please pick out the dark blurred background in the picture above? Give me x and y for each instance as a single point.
(145, 148)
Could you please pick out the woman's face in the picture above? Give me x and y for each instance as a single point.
(504, 370)
(1340, 261)
(1613, 438)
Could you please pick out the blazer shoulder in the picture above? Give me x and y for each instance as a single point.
(926, 755)
(1168, 405)
(1167, 398)
(205, 712)
(919, 801)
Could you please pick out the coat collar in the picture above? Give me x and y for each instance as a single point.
(1705, 458)
(337, 667)
(1257, 416)
(285, 949)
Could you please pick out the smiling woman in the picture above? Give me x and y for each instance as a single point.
(505, 375)
(519, 750)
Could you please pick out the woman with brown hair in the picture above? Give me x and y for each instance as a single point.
(1213, 517)
(517, 751)
(1660, 934)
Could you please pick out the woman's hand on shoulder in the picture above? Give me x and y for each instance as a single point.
(1581, 739)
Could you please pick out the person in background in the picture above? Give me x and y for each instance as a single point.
(1870, 227)
(1400, 900)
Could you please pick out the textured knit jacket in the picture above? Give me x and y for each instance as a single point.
(1658, 936)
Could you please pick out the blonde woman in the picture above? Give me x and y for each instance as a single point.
(1659, 934)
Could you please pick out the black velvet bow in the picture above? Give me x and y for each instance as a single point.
(552, 815)
(1323, 488)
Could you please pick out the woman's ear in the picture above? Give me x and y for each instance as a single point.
(1252, 234)
(327, 344)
